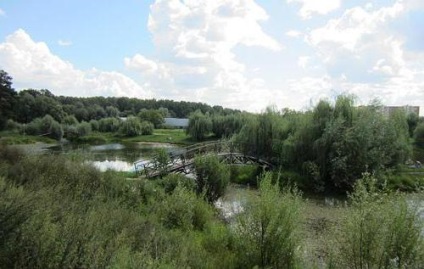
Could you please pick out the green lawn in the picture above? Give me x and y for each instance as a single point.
(175, 136)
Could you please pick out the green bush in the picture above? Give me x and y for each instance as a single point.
(109, 125)
(381, 231)
(131, 127)
(45, 126)
(267, 231)
(213, 177)
(146, 128)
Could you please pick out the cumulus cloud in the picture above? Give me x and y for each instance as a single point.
(365, 56)
(310, 7)
(360, 44)
(196, 42)
(32, 64)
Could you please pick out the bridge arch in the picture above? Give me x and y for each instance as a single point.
(182, 160)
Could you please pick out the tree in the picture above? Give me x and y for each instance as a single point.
(419, 135)
(7, 98)
(199, 126)
(112, 111)
(412, 119)
(146, 128)
(213, 177)
(156, 117)
(131, 127)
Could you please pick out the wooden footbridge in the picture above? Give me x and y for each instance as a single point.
(182, 160)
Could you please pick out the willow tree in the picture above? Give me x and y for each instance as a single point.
(199, 126)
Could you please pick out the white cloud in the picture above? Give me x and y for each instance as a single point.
(303, 61)
(196, 59)
(354, 24)
(64, 43)
(365, 56)
(2, 13)
(293, 33)
(33, 65)
(322, 7)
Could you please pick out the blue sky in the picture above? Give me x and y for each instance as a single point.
(243, 54)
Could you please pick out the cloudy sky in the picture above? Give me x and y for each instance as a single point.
(244, 54)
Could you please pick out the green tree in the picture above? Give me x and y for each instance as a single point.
(131, 127)
(213, 177)
(146, 128)
(199, 126)
(419, 135)
(413, 120)
(7, 98)
(112, 111)
(154, 116)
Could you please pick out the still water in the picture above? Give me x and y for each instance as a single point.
(114, 156)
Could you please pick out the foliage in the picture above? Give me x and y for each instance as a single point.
(382, 231)
(155, 117)
(131, 127)
(331, 145)
(45, 126)
(412, 120)
(7, 98)
(419, 135)
(146, 128)
(199, 126)
(109, 124)
(267, 234)
(161, 161)
(101, 221)
(213, 177)
(227, 125)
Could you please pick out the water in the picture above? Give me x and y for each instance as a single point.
(113, 156)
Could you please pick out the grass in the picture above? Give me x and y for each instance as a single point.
(12, 138)
(174, 136)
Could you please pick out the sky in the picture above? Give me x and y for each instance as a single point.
(242, 54)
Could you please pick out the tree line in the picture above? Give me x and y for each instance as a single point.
(40, 112)
(326, 148)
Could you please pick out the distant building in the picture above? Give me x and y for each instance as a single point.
(388, 110)
(176, 123)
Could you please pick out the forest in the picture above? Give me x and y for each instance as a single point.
(61, 212)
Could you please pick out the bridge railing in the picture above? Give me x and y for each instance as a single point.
(185, 154)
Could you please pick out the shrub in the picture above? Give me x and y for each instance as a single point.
(131, 127)
(213, 177)
(94, 125)
(146, 128)
(45, 126)
(381, 231)
(12, 125)
(267, 231)
(109, 125)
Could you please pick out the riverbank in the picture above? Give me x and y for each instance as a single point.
(172, 136)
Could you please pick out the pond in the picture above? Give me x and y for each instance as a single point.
(114, 156)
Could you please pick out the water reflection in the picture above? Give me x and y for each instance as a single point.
(114, 156)
(115, 165)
